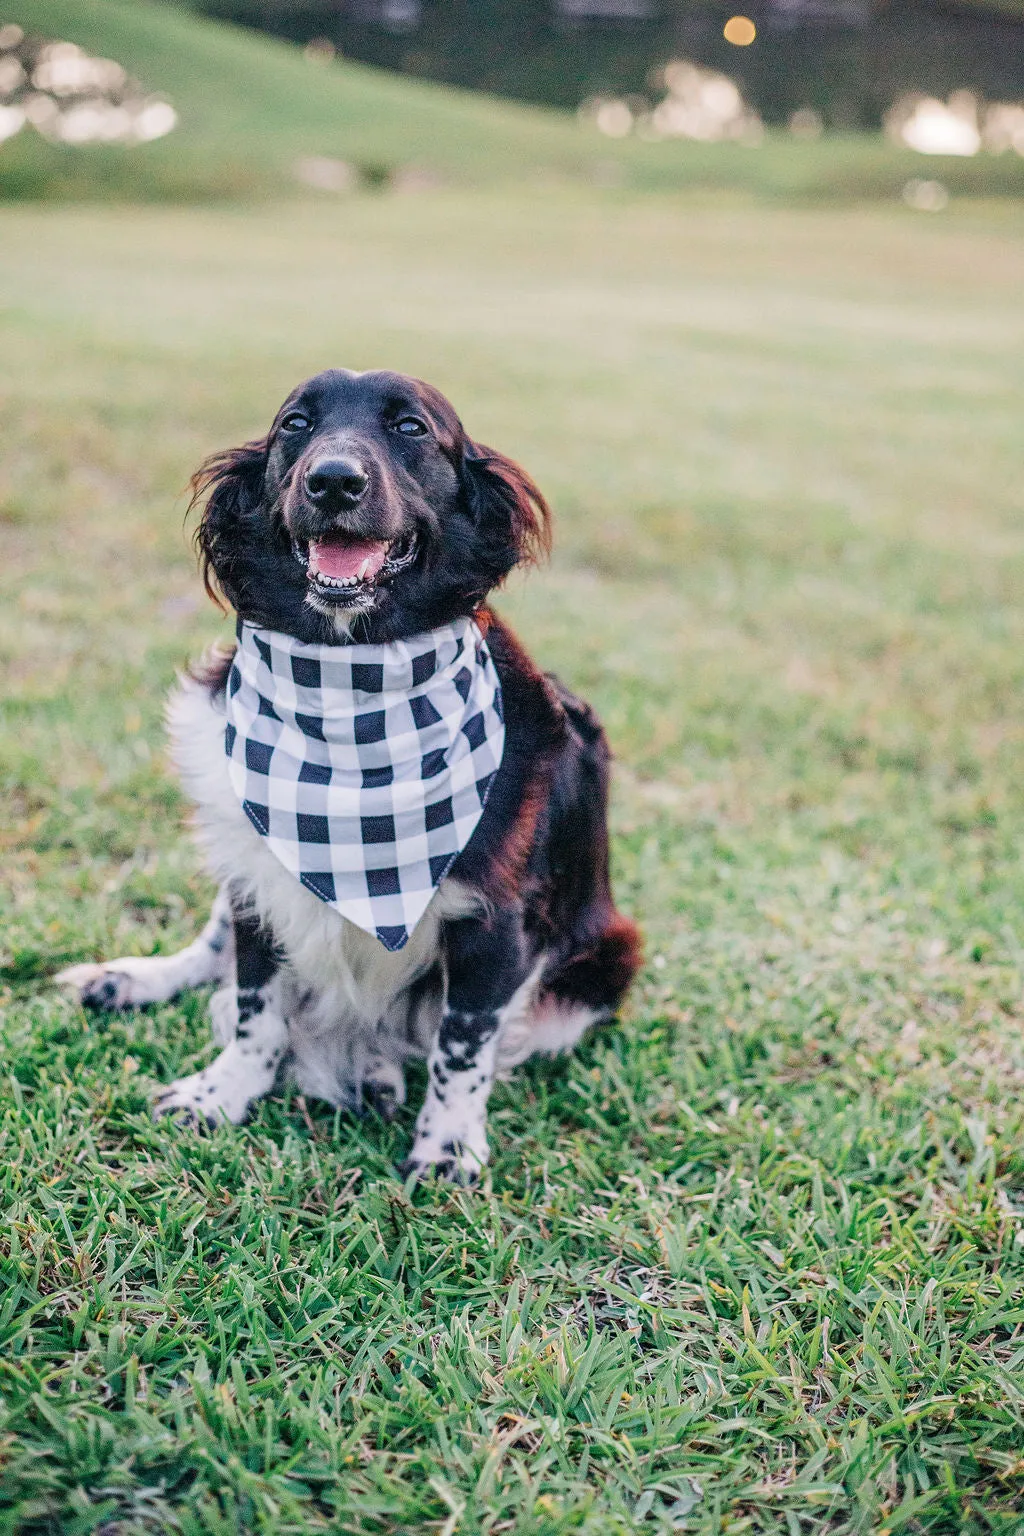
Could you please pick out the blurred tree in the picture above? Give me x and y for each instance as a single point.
(848, 59)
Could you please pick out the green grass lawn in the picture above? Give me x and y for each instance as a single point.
(752, 1259)
(250, 107)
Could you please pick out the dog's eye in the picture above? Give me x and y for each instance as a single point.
(410, 426)
(295, 422)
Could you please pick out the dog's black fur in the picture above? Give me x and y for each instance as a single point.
(383, 459)
(542, 843)
(472, 512)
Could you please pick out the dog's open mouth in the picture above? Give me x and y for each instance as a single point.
(343, 567)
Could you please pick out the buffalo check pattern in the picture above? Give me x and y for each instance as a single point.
(365, 767)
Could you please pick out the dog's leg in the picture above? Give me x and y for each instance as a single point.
(487, 963)
(407, 1029)
(383, 1085)
(247, 1067)
(136, 981)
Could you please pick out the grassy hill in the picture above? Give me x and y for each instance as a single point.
(250, 106)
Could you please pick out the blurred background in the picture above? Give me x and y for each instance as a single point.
(744, 289)
(881, 82)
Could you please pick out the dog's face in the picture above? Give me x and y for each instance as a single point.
(365, 511)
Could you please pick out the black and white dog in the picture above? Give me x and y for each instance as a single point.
(406, 818)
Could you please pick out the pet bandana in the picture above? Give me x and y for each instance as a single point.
(365, 767)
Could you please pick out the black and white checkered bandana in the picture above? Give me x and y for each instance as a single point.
(365, 767)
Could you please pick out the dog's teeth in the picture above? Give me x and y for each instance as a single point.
(363, 568)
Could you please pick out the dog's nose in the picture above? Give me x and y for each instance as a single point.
(336, 480)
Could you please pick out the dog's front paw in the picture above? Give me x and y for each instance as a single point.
(201, 1102)
(106, 988)
(450, 1162)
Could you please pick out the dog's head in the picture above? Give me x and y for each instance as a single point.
(365, 511)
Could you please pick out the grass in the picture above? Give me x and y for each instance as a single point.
(250, 107)
(751, 1260)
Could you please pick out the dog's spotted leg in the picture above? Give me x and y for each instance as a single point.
(486, 964)
(247, 1067)
(136, 981)
(451, 1130)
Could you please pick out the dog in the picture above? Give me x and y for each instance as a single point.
(364, 533)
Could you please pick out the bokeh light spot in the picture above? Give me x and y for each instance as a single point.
(740, 31)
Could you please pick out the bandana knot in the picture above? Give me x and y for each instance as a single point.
(365, 767)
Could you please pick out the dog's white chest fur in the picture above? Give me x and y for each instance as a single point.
(348, 998)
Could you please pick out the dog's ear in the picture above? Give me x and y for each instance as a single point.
(229, 487)
(507, 505)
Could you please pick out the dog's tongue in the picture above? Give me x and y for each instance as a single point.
(347, 557)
